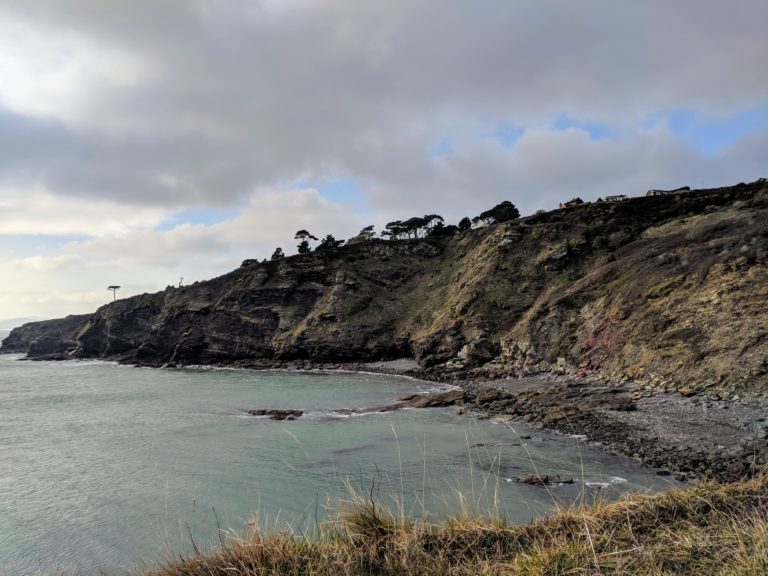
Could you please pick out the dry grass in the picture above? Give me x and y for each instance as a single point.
(709, 529)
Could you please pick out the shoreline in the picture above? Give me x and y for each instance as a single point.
(687, 438)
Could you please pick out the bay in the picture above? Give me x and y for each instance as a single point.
(116, 467)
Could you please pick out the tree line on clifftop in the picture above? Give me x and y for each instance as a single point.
(427, 226)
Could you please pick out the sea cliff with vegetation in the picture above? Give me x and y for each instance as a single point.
(640, 323)
(667, 291)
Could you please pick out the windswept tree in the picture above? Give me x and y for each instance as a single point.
(413, 228)
(367, 233)
(441, 230)
(394, 230)
(329, 243)
(503, 212)
(305, 237)
(465, 224)
(414, 225)
(277, 254)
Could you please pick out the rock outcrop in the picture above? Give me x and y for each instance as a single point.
(46, 339)
(668, 291)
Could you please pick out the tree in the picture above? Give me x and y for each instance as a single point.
(329, 243)
(465, 224)
(413, 228)
(367, 233)
(394, 230)
(305, 237)
(432, 220)
(277, 254)
(440, 230)
(413, 225)
(502, 212)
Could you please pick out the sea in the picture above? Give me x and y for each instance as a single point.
(113, 467)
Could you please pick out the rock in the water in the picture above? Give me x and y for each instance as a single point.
(440, 400)
(544, 480)
(278, 414)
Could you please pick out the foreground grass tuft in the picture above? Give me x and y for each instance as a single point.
(708, 529)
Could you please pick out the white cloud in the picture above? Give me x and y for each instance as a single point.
(33, 211)
(53, 304)
(270, 219)
(55, 73)
(45, 263)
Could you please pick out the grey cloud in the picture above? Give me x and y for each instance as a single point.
(248, 94)
(546, 167)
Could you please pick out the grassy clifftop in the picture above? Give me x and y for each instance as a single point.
(709, 529)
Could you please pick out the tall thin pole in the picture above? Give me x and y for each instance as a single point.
(114, 290)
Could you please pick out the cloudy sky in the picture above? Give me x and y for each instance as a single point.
(142, 141)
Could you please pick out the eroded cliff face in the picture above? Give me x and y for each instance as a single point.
(47, 338)
(667, 290)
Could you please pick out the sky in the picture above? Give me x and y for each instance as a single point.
(143, 142)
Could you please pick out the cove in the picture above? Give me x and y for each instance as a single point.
(111, 466)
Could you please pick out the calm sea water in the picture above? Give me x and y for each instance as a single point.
(107, 466)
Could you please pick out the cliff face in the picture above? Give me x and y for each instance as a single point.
(46, 338)
(671, 290)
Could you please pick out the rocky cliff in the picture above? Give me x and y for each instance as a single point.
(667, 290)
(46, 337)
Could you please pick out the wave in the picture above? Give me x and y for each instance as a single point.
(612, 481)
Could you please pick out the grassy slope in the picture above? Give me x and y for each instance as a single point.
(709, 529)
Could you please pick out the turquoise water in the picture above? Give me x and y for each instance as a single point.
(108, 466)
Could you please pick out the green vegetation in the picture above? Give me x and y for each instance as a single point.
(413, 228)
(277, 254)
(329, 243)
(503, 212)
(709, 529)
(304, 238)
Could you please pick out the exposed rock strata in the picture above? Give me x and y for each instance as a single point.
(46, 339)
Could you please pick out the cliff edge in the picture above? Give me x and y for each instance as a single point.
(666, 290)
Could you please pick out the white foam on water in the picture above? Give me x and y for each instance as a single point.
(612, 480)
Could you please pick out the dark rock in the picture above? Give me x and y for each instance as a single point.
(278, 414)
(543, 480)
(437, 400)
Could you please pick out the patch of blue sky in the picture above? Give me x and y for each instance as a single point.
(442, 148)
(506, 134)
(595, 130)
(204, 216)
(711, 134)
(342, 190)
